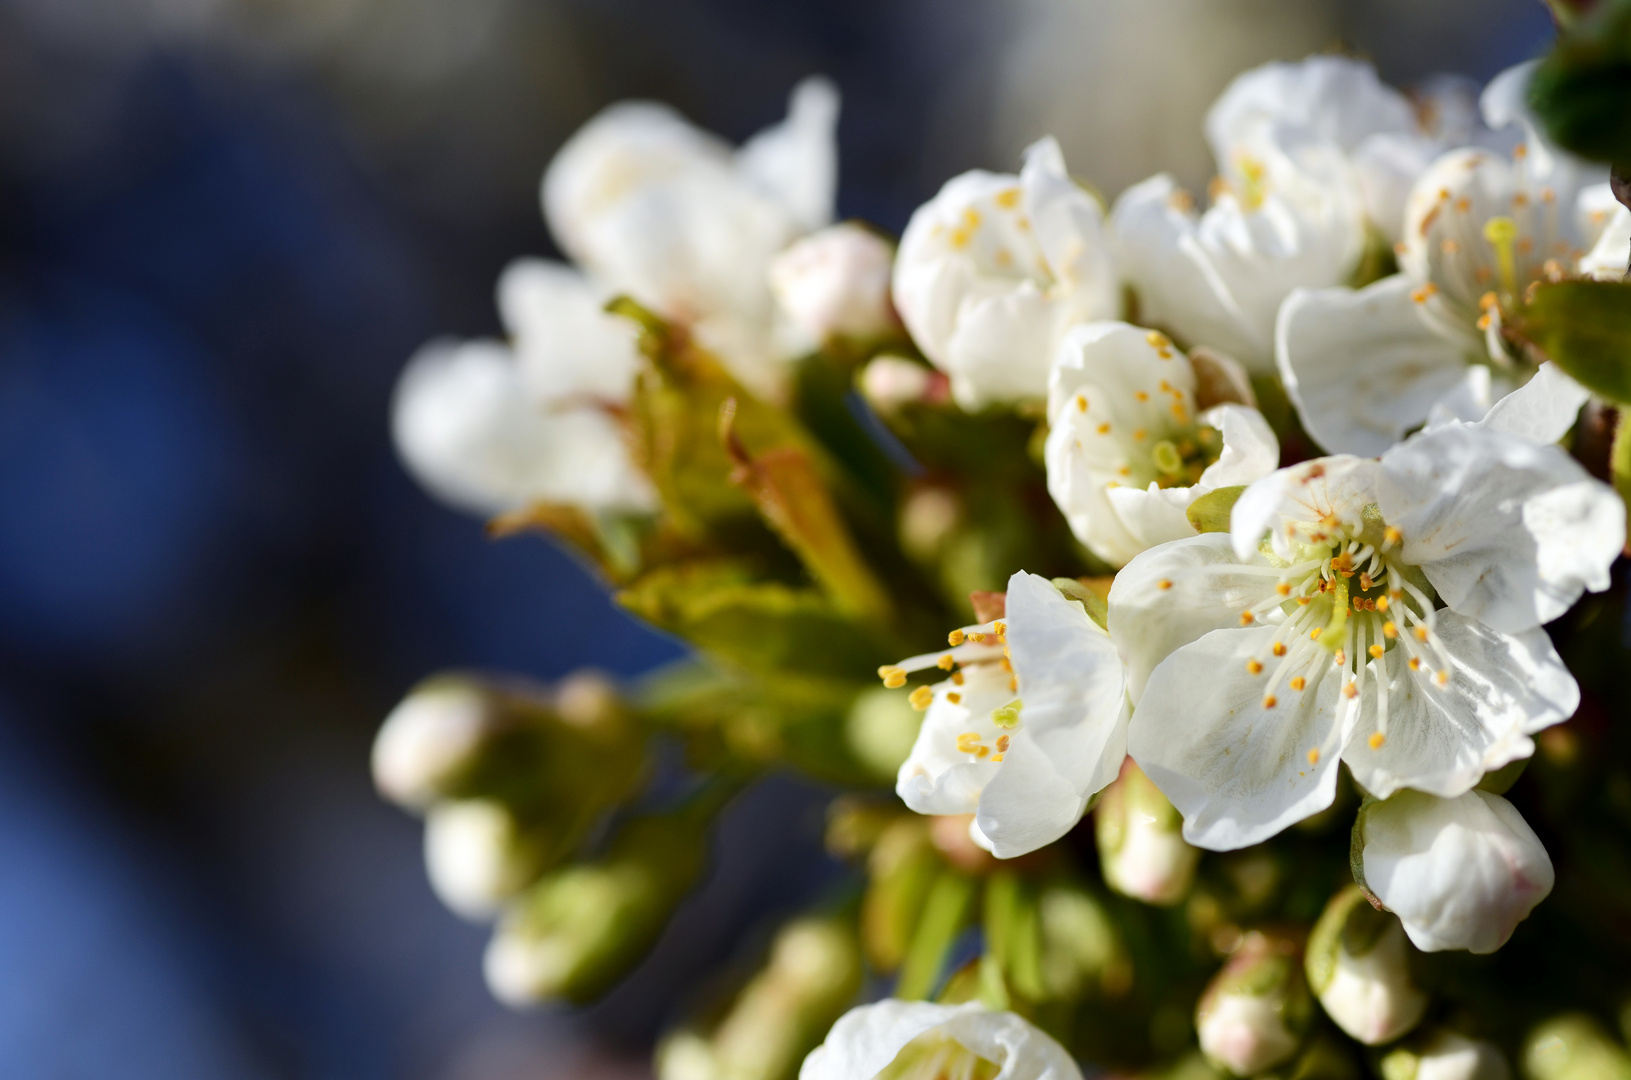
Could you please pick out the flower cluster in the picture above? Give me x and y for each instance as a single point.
(1246, 522)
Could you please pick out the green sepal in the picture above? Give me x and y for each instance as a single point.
(1584, 327)
(1210, 512)
(1580, 90)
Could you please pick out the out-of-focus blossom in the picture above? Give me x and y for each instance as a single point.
(918, 1040)
(995, 269)
(1253, 1014)
(834, 283)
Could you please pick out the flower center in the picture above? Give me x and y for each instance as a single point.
(933, 1056)
(1347, 602)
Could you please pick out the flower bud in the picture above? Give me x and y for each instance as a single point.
(889, 382)
(1254, 1012)
(1444, 1055)
(430, 739)
(478, 854)
(1573, 1047)
(1460, 873)
(813, 972)
(1359, 967)
(1141, 844)
(834, 283)
(579, 930)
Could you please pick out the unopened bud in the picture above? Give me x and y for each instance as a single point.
(431, 739)
(834, 283)
(1573, 1047)
(1141, 843)
(478, 854)
(1254, 1012)
(1444, 1055)
(813, 972)
(890, 382)
(577, 931)
(1359, 968)
(1460, 873)
(927, 518)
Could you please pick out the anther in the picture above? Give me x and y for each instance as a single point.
(1376, 652)
(946, 663)
(1388, 629)
(1002, 631)
(1002, 744)
(1247, 618)
(1158, 340)
(957, 678)
(1253, 667)
(1420, 632)
(1314, 634)
(1376, 740)
(1350, 690)
(1441, 677)
(1298, 682)
(1164, 584)
(893, 677)
(1390, 536)
(954, 638)
(1279, 648)
(1270, 701)
(1103, 429)
(921, 698)
(1284, 589)
(1314, 756)
(1081, 402)
(954, 697)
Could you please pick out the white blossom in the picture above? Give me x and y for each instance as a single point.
(1358, 964)
(649, 205)
(1460, 873)
(919, 1040)
(1365, 367)
(1128, 447)
(1023, 752)
(1391, 619)
(995, 268)
(835, 283)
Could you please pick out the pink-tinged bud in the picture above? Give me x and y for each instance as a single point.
(890, 382)
(834, 283)
(1141, 842)
(1460, 873)
(1254, 1012)
(1359, 967)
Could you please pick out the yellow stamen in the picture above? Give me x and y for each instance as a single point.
(1247, 618)
(1164, 584)
(1253, 667)
(954, 638)
(1298, 682)
(1376, 740)
(921, 698)
(946, 663)
(1314, 756)
(1376, 652)
(893, 677)
(1270, 701)
(1284, 589)
(1279, 648)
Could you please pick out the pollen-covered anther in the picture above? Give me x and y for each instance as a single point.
(1424, 294)
(1279, 648)
(1390, 536)
(1314, 756)
(955, 638)
(1420, 632)
(1340, 659)
(1376, 740)
(1081, 402)
(1103, 429)
(1140, 395)
(1376, 652)
(1164, 584)
(1441, 677)
(1002, 744)
(1487, 301)
(1139, 434)
(957, 678)
(921, 698)
(1298, 682)
(1284, 588)
(1365, 581)
(893, 677)
(1158, 340)
(1415, 663)
(1314, 634)
(1381, 603)
(1247, 618)
(1270, 701)
(946, 663)
(1254, 666)
(1389, 631)
(1002, 631)
(954, 697)
(1350, 690)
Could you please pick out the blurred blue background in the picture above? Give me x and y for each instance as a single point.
(225, 225)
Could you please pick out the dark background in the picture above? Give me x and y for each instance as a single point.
(224, 224)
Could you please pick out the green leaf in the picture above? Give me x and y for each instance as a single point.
(1580, 90)
(944, 916)
(1210, 512)
(722, 608)
(1585, 328)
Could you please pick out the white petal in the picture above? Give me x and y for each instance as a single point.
(1306, 493)
(1364, 367)
(1171, 595)
(1335, 98)
(1001, 347)
(1250, 450)
(1028, 804)
(1072, 683)
(1388, 166)
(1460, 873)
(796, 161)
(1542, 410)
(1069, 226)
(1609, 256)
(1443, 739)
(1237, 769)
(1508, 532)
(936, 777)
(568, 347)
(469, 433)
(867, 1039)
(1469, 400)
